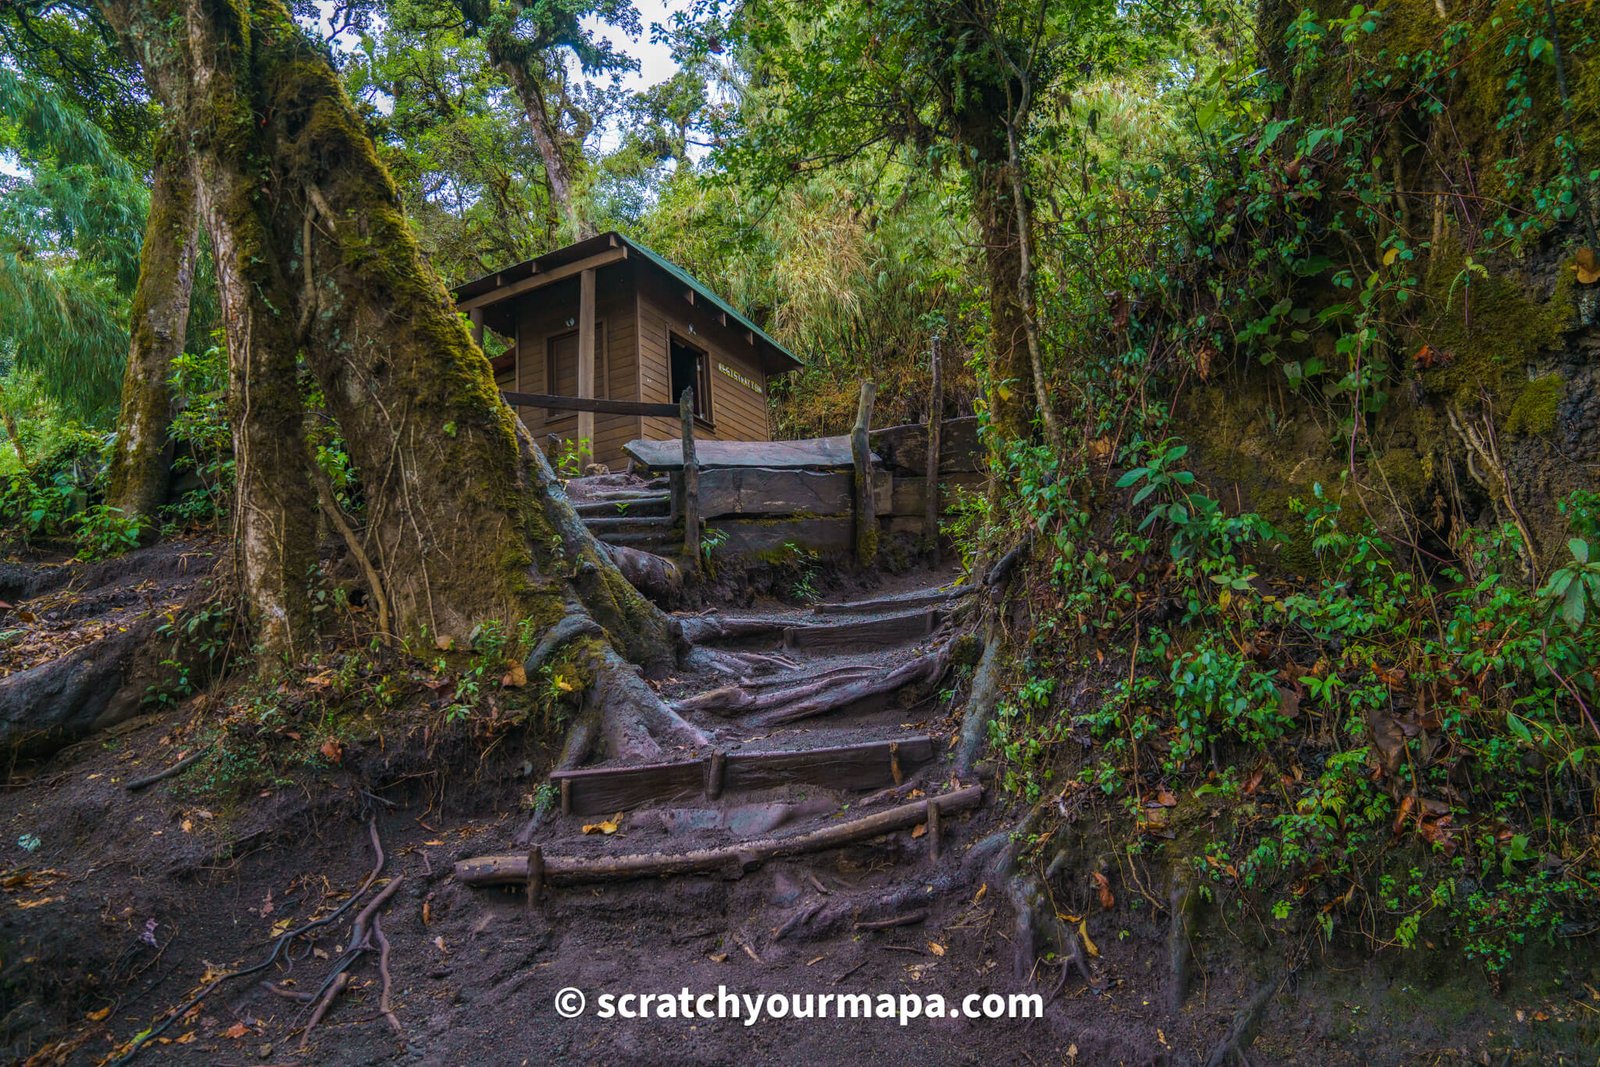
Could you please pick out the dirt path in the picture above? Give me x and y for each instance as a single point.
(116, 906)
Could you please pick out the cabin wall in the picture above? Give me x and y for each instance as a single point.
(738, 384)
(541, 316)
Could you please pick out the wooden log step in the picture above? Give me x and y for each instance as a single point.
(871, 765)
(922, 599)
(575, 870)
(870, 633)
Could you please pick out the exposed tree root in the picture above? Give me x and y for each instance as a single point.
(981, 702)
(272, 957)
(1244, 1027)
(655, 576)
(819, 698)
(170, 772)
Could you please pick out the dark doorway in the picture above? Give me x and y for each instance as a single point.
(691, 369)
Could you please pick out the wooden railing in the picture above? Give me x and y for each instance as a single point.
(587, 403)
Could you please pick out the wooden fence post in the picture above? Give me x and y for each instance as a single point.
(691, 483)
(930, 500)
(586, 362)
(866, 513)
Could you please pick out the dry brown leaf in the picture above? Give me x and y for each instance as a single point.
(719, 957)
(321, 680)
(438, 943)
(920, 829)
(444, 643)
(1108, 899)
(332, 750)
(187, 1039)
(427, 912)
(983, 891)
(516, 677)
(1587, 266)
(99, 1016)
(936, 948)
(236, 1031)
(37, 903)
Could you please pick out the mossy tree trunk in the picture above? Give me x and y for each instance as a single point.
(465, 521)
(142, 460)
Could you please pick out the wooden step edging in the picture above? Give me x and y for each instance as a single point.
(872, 765)
(574, 870)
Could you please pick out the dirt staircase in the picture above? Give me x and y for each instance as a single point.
(813, 715)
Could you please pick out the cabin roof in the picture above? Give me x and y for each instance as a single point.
(598, 246)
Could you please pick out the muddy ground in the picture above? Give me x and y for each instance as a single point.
(116, 906)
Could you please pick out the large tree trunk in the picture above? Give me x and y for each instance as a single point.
(547, 137)
(465, 521)
(141, 462)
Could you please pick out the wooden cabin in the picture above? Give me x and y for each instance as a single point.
(648, 329)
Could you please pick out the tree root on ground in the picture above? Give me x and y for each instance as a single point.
(276, 951)
(981, 702)
(1244, 1027)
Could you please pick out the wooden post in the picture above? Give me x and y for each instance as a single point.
(566, 796)
(586, 360)
(535, 875)
(866, 514)
(934, 829)
(716, 774)
(691, 483)
(895, 773)
(930, 499)
(475, 316)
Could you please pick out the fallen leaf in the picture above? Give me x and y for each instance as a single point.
(427, 912)
(1083, 932)
(607, 826)
(936, 948)
(1165, 798)
(332, 750)
(281, 927)
(438, 943)
(266, 905)
(983, 891)
(1108, 899)
(719, 957)
(37, 903)
(99, 1016)
(920, 829)
(236, 1031)
(515, 678)
(1587, 266)
(187, 1039)
(186, 825)
(321, 680)
(443, 643)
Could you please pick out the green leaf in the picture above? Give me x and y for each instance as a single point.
(1575, 606)
(1518, 727)
(1131, 477)
(1580, 549)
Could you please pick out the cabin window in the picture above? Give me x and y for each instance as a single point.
(691, 367)
(561, 365)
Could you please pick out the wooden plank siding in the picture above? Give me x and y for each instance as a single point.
(738, 411)
(544, 318)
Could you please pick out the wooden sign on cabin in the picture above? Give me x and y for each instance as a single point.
(607, 319)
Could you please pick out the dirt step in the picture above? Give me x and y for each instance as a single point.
(536, 870)
(662, 543)
(628, 522)
(872, 765)
(642, 505)
(849, 635)
(921, 598)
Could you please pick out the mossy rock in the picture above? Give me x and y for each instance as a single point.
(1537, 405)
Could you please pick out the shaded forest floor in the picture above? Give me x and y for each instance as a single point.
(116, 906)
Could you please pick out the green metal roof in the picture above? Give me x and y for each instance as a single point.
(700, 287)
(598, 243)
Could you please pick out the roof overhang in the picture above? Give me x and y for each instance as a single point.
(605, 250)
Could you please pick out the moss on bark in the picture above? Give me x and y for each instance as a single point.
(140, 463)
